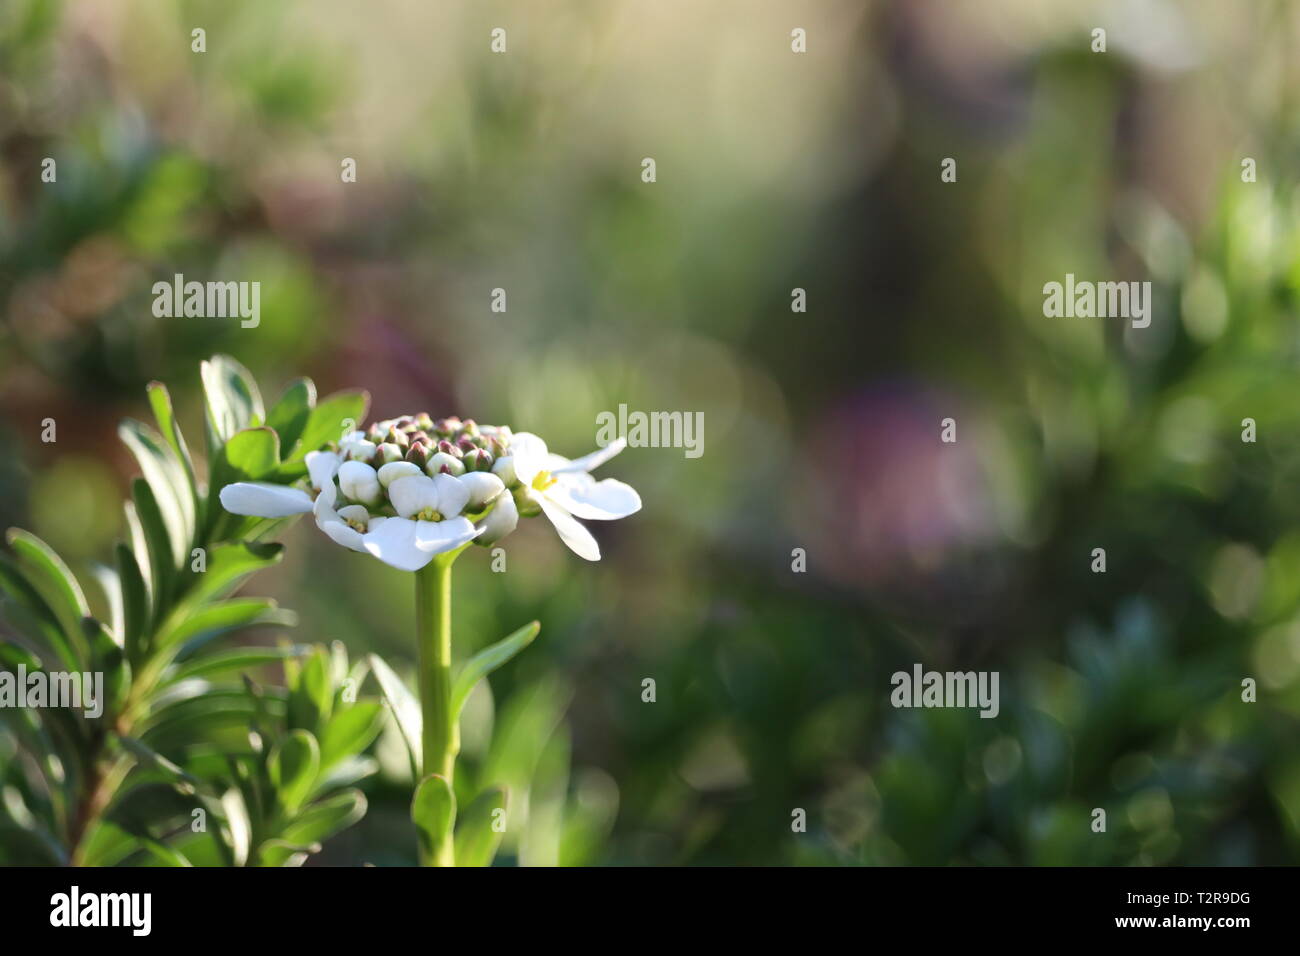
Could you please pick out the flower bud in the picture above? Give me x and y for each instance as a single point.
(504, 468)
(418, 453)
(441, 462)
(465, 444)
(482, 487)
(397, 437)
(358, 449)
(478, 460)
(447, 448)
(469, 428)
(385, 453)
(360, 482)
(397, 469)
(423, 422)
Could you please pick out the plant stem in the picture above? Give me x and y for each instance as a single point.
(441, 739)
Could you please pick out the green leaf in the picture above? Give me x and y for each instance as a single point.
(433, 811)
(111, 588)
(227, 566)
(135, 604)
(158, 545)
(106, 658)
(167, 479)
(350, 731)
(238, 823)
(324, 818)
(290, 414)
(233, 401)
(240, 659)
(292, 766)
(249, 455)
(164, 855)
(283, 853)
(329, 421)
(28, 614)
(477, 834)
(161, 402)
(311, 690)
(488, 660)
(45, 571)
(405, 710)
(146, 756)
(218, 618)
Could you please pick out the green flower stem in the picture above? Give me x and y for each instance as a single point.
(441, 741)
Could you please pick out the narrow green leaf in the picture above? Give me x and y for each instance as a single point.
(404, 708)
(167, 480)
(276, 852)
(481, 828)
(350, 731)
(227, 566)
(135, 604)
(433, 811)
(240, 659)
(488, 660)
(292, 767)
(233, 401)
(45, 571)
(325, 818)
(111, 588)
(249, 455)
(311, 692)
(160, 401)
(238, 823)
(290, 413)
(30, 616)
(329, 421)
(164, 855)
(158, 545)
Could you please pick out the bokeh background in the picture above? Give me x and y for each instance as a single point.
(775, 170)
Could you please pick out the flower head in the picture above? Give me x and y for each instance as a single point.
(409, 488)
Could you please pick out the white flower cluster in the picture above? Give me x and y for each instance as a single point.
(410, 488)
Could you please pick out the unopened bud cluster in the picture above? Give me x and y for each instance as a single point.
(449, 446)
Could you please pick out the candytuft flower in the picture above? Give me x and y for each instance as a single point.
(564, 491)
(410, 488)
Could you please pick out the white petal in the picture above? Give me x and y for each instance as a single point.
(331, 521)
(264, 500)
(577, 537)
(584, 497)
(529, 455)
(500, 521)
(483, 486)
(436, 537)
(504, 468)
(341, 533)
(360, 482)
(588, 462)
(322, 466)
(413, 494)
(452, 495)
(390, 472)
(393, 542)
